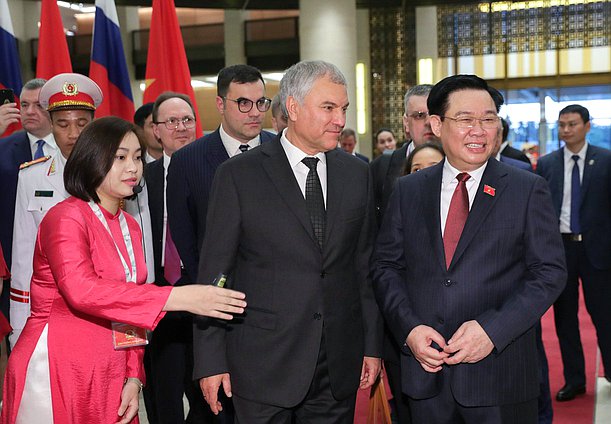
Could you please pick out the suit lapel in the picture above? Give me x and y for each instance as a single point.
(482, 205)
(277, 167)
(588, 169)
(336, 181)
(22, 151)
(430, 193)
(216, 154)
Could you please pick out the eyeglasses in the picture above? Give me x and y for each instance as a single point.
(245, 105)
(173, 123)
(488, 122)
(419, 116)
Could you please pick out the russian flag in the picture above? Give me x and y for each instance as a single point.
(108, 68)
(10, 71)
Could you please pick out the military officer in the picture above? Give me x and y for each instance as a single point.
(71, 100)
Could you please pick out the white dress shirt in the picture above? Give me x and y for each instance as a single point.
(232, 145)
(448, 185)
(48, 148)
(300, 170)
(569, 164)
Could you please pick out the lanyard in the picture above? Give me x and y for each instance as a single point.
(130, 276)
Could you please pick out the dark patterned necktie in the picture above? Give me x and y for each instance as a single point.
(457, 216)
(575, 197)
(243, 148)
(315, 202)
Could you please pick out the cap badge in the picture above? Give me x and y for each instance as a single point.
(70, 89)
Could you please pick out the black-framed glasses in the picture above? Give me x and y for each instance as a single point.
(419, 116)
(173, 123)
(487, 122)
(245, 105)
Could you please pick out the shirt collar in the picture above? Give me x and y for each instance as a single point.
(49, 139)
(568, 155)
(450, 173)
(295, 155)
(232, 145)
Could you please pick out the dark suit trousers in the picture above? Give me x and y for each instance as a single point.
(399, 402)
(444, 409)
(318, 407)
(597, 296)
(171, 366)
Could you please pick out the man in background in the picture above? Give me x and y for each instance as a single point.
(70, 100)
(170, 353)
(579, 176)
(35, 141)
(347, 141)
(143, 117)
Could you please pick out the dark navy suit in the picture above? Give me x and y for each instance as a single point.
(14, 150)
(189, 180)
(507, 270)
(589, 259)
(517, 163)
(516, 154)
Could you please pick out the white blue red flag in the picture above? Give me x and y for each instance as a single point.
(10, 71)
(108, 68)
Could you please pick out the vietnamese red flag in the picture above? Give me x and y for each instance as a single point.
(167, 68)
(10, 71)
(53, 56)
(107, 67)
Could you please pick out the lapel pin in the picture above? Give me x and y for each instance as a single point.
(591, 162)
(51, 169)
(490, 191)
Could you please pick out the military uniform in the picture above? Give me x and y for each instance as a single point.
(39, 188)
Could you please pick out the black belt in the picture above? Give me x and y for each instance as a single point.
(572, 237)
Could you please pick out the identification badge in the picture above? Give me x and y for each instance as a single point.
(43, 193)
(127, 335)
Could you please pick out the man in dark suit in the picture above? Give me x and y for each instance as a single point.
(579, 176)
(16, 149)
(347, 141)
(169, 356)
(242, 104)
(385, 170)
(500, 141)
(467, 260)
(292, 225)
(508, 152)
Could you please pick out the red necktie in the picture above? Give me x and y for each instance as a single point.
(171, 265)
(457, 216)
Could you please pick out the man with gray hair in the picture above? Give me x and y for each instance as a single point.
(34, 142)
(291, 223)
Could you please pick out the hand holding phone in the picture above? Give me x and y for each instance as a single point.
(9, 114)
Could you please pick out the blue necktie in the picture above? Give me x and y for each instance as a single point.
(575, 197)
(39, 152)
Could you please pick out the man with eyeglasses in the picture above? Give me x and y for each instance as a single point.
(242, 104)
(466, 262)
(168, 361)
(385, 170)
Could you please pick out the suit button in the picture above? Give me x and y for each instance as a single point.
(447, 283)
(317, 316)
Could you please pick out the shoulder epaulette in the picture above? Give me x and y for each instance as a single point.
(25, 165)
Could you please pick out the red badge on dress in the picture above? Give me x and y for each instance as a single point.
(489, 190)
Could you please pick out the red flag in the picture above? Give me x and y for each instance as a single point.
(166, 65)
(53, 56)
(491, 191)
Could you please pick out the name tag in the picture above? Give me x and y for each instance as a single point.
(43, 193)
